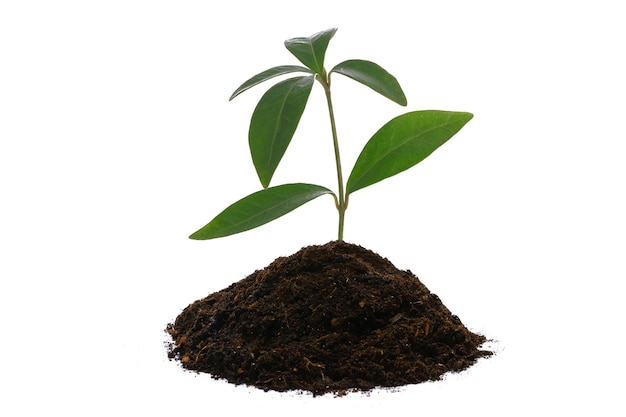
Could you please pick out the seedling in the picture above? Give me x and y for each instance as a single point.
(400, 144)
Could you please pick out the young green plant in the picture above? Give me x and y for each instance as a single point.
(400, 144)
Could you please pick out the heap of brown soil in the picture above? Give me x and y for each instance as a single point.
(331, 318)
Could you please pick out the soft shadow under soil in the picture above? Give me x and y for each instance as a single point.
(330, 318)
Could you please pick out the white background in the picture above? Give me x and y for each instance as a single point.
(118, 141)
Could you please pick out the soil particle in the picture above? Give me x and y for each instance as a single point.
(331, 318)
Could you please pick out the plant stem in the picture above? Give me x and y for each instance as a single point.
(341, 206)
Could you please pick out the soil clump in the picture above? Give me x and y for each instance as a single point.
(330, 318)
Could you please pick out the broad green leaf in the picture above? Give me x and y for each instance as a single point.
(311, 51)
(259, 208)
(373, 76)
(274, 123)
(266, 75)
(402, 143)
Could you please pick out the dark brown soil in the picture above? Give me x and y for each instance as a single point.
(332, 318)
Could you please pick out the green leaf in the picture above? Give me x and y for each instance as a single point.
(373, 76)
(311, 51)
(266, 75)
(402, 143)
(274, 123)
(259, 208)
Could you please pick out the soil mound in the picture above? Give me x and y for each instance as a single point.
(330, 318)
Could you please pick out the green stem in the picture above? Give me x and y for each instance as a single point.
(341, 206)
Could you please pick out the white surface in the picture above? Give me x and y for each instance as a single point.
(118, 141)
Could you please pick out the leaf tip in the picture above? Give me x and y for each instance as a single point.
(196, 235)
(468, 116)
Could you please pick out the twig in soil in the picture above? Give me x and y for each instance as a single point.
(307, 363)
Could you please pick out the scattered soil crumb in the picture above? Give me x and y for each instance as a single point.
(334, 318)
